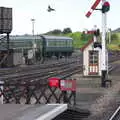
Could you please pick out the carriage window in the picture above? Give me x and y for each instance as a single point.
(57, 43)
(51, 43)
(69, 43)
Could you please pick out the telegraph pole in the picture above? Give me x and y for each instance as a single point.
(33, 22)
(34, 44)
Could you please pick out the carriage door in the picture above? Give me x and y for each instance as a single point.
(93, 62)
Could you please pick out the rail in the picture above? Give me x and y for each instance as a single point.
(116, 114)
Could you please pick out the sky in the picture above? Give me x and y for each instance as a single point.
(69, 13)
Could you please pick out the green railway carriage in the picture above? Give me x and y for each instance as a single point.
(58, 46)
(39, 47)
(26, 43)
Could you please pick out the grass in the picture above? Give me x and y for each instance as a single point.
(113, 47)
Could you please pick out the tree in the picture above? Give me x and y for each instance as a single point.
(67, 30)
(55, 32)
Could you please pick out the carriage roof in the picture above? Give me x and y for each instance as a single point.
(56, 37)
(22, 37)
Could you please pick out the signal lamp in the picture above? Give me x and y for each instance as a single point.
(105, 7)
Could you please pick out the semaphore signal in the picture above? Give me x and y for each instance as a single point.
(93, 8)
(104, 9)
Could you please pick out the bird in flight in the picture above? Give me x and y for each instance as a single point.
(50, 9)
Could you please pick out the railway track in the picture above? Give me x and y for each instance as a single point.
(116, 114)
(8, 71)
(42, 74)
(48, 64)
(42, 78)
(73, 114)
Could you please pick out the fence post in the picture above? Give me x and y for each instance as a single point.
(65, 99)
(27, 94)
(1, 96)
(74, 94)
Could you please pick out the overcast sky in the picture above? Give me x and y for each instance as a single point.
(69, 13)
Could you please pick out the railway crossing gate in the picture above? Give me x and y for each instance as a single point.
(56, 90)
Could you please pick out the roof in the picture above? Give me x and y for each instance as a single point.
(55, 37)
(86, 45)
(28, 37)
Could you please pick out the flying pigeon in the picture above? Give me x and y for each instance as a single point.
(50, 9)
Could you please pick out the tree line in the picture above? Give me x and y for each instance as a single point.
(58, 31)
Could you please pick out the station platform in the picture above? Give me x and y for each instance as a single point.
(30, 112)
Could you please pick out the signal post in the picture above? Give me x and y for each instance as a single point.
(104, 59)
(104, 64)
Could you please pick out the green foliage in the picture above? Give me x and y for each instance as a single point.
(86, 37)
(76, 39)
(115, 42)
(79, 39)
(114, 38)
(59, 32)
(67, 30)
(113, 47)
(54, 32)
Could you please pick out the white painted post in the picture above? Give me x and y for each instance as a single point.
(103, 57)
